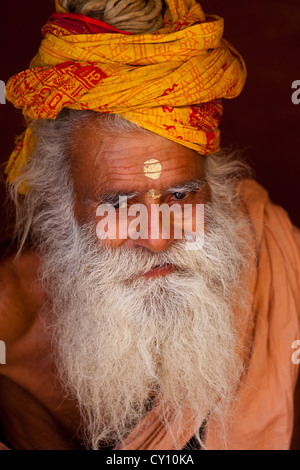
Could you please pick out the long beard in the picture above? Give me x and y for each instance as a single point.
(123, 342)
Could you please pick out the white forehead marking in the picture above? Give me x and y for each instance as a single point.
(152, 169)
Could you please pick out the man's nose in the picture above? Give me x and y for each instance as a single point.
(154, 245)
(157, 234)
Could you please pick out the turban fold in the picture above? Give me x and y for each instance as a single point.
(170, 82)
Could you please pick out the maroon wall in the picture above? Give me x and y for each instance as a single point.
(262, 121)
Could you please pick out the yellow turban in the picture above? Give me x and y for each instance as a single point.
(170, 82)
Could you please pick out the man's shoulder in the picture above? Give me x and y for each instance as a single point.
(270, 223)
(264, 213)
(20, 294)
(253, 194)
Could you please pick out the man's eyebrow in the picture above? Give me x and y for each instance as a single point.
(112, 197)
(186, 187)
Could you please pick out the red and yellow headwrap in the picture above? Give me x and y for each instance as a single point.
(170, 82)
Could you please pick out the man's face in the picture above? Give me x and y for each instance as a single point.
(126, 329)
(146, 168)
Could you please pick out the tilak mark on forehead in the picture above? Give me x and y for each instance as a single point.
(152, 169)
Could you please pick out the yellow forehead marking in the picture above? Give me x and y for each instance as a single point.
(153, 194)
(152, 169)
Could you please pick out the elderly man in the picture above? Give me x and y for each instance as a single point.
(117, 338)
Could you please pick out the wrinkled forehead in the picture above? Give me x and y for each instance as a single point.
(129, 161)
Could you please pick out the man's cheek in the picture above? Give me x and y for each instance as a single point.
(111, 229)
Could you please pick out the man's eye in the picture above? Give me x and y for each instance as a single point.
(179, 196)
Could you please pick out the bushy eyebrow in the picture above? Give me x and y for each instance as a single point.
(190, 186)
(112, 197)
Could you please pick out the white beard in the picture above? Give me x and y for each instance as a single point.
(121, 339)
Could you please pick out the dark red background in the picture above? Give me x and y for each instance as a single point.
(262, 121)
